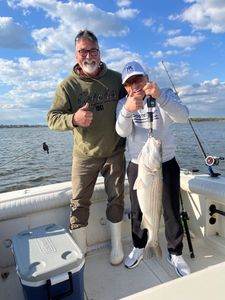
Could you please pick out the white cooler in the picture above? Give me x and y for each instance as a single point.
(49, 263)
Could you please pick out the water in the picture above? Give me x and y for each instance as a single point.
(30, 166)
(34, 166)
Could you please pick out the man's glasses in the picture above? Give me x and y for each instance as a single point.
(92, 52)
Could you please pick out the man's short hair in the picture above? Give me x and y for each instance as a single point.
(86, 34)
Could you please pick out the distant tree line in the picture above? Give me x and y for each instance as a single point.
(206, 119)
(192, 119)
(19, 126)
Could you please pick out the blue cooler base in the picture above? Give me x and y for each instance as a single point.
(49, 263)
(71, 289)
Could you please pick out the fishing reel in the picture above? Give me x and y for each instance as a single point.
(151, 102)
(213, 160)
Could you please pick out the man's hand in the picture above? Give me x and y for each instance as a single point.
(83, 117)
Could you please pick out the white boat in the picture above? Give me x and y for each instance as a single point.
(154, 278)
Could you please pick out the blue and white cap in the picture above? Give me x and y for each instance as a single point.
(132, 68)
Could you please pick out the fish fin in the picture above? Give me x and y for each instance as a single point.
(148, 253)
(138, 184)
(157, 251)
(153, 250)
(135, 184)
(144, 224)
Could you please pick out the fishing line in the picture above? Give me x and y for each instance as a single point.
(44, 147)
(169, 78)
(198, 140)
(209, 160)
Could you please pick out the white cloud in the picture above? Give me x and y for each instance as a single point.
(163, 54)
(211, 83)
(81, 15)
(23, 115)
(116, 58)
(205, 99)
(160, 28)
(189, 1)
(12, 34)
(205, 15)
(201, 97)
(9, 106)
(122, 3)
(148, 22)
(29, 85)
(184, 41)
(127, 13)
(173, 32)
(50, 41)
(26, 70)
(178, 73)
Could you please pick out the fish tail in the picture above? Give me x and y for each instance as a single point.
(148, 252)
(153, 248)
(157, 251)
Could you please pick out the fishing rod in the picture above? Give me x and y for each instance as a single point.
(185, 218)
(209, 160)
(44, 147)
(184, 215)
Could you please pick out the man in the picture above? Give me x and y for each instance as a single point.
(133, 123)
(85, 103)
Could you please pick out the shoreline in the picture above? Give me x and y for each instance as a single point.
(39, 125)
(206, 119)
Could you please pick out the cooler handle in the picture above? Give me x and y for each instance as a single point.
(62, 295)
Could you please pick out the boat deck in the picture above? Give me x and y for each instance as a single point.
(105, 282)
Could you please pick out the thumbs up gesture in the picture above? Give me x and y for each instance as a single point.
(83, 117)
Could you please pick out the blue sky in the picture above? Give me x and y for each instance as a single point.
(37, 49)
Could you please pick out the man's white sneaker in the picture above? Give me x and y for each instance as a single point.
(181, 267)
(134, 258)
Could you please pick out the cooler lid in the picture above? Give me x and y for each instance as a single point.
(44, 252)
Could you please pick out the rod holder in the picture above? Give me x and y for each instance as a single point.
(213, 210)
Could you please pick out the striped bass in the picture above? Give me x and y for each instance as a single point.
(149, 192)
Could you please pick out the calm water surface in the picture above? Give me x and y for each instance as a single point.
(30, 166)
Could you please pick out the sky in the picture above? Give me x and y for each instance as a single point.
(184, 37)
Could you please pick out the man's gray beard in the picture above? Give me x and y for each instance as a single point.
(90, 69)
